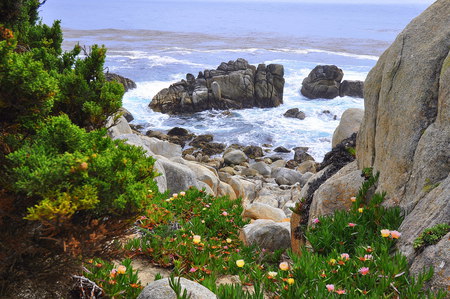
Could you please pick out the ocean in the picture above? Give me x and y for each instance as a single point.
(155, 43)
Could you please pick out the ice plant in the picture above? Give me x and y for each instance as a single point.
(345, 256)
(224, 213)
(290, 281)
(174, 195)
(193, 269)
(340, 292)
(360, 210)
(272, 274)
(121, 269)
(196, 239)
(352, 224)
(315, 220)
(284, 266)
(395, 234)
(228, 240)
(363, 270)
(368, 257)
(240, 263)
(182, 193)
(385, 233)
(330, 287)
(353, 199)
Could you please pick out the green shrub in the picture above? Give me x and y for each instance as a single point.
(65, 169)
(431, 236)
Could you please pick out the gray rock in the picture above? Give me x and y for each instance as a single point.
(307, 166)
(281, 149)
(233, 85)
(235, 157)
(267, 234)
(350, 122)
(262, 168)
(127, 114)
(160, 289)
(126, 82)
(352, 89)
(287, 176)
(249, 172)
(156, 146)
(258, 210)
(322, 82)
(336, 192)
(178, 176)
(118, 128)
(295, 113)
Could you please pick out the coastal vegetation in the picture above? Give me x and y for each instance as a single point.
(69, 195)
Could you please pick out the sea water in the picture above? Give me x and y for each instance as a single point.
(155, 43)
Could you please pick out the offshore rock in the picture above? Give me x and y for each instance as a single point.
(127, 83)
(233, 85)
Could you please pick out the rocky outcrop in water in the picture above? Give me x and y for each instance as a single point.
(324, 82)
(233, 85)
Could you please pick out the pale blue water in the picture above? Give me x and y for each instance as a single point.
(156, 43)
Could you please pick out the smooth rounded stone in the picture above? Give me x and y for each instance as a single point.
(225, 189)
(287, 176)
(350, 122)
(262, 211)
(177, 131)
(214, 164)
(267, 234)
(270, 181)
(223, 176)
(127, 114)
(291, 164)
(307, 166)
(235, 157)
(160, 289)
(249, 189)
(120, 127)
(204, 174)
(228, 170)
(249, 172)
(278, 163)
(206, 187)
(307, 175)
(275, 158)
(179, 177)
(262, 168)
(237, 186)
(281, 149)
(335, 193)
(190, 157)
(295, 113)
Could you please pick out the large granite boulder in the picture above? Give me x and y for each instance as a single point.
(233, 85)
(353, 89)
(267, 234)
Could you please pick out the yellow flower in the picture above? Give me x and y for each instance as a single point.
(385, 233)
(360, 210)
(121, 269)
(182, 193)
(228, 240)
(196, 239)
(284, 266)
(240, 263)
(174, 195)
(333, 262)
(290, 281)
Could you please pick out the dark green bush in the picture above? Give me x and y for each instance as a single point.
(431, 236)
(67, 170)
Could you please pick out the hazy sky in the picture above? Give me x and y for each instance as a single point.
(425, 2)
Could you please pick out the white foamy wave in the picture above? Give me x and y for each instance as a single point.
(153, 60)
(345, 54)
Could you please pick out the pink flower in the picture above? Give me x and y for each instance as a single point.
(284, 266)
(224, 213)
(368, 257)
(315, 220)
(395, 234)
(353, 199)
(193, 269)
(363, 271)
(330, 287)
(225, 247)
(345, 256)
(385, 233)
(352, 224)
(340, 292)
